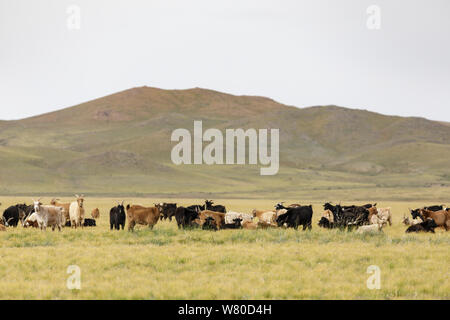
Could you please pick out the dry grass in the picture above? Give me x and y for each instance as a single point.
(167, 263)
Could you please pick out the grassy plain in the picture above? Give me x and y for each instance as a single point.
(167, 263)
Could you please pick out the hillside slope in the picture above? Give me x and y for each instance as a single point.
(120, 144)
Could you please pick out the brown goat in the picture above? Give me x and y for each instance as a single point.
(373, 215)
(442, 218)
(219, 218)
(266, 225)
(258, 213)
(95, 213)
(142, 215)
(249, 225)
(65, 206)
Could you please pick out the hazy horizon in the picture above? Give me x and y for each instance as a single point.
(298, 53)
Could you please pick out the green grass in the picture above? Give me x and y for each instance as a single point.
(167, 263)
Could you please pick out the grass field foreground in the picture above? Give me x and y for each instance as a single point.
(167, 263)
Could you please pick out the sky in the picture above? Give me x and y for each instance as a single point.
(394, 60)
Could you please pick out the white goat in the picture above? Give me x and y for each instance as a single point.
(76, 212)
(48, 216)
(385, 213)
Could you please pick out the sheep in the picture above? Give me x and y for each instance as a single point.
(408, 222)
(268, 217)
(372, 228)
(230, 216)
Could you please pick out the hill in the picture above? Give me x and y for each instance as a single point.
(120, 145)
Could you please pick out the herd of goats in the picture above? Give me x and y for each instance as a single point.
(365, 219)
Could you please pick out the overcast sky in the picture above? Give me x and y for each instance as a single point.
(302, 53)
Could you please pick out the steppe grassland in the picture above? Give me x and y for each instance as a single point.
(168, 263)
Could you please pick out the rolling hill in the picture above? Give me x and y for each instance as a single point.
(120, 145)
